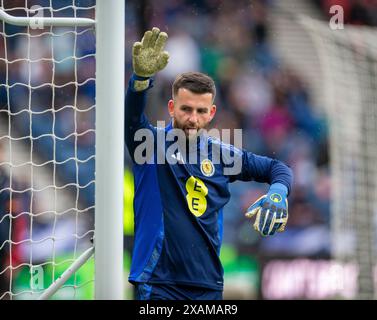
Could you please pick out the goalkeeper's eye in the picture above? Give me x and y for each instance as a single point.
(185, 109)
(202, 111)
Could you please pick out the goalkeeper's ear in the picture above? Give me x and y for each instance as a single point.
(171, 107)
(212, 112)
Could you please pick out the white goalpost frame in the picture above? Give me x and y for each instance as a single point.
(109, 154)
(110, 38)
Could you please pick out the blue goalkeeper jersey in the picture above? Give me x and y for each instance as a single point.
(179, 207)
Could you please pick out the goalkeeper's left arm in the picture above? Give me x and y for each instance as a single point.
(271, 210)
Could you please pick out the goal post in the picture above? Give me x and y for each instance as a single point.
(109, 149)
(107, 236)
(348, 64)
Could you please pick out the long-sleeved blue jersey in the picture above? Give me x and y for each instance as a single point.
(178, 207)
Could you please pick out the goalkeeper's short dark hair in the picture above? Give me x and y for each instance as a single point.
(196, 82)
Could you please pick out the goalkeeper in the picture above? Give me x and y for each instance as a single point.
(178, 207)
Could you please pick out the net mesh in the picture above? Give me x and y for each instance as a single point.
(47, 135)
(348, 61)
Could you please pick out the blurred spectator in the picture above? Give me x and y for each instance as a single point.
(184, 54)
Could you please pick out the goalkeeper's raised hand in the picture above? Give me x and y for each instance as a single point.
(148, 56)
(271, 211)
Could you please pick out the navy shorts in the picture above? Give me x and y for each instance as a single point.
(145, 291)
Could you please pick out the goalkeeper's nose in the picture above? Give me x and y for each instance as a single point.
(193, 119)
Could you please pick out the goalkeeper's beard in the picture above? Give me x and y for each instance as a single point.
(191, 132)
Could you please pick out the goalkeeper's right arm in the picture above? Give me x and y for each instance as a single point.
(148, 58)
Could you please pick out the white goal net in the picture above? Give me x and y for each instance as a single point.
(348, 59)
(47, 149)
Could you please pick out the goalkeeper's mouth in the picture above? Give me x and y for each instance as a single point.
(191, 131)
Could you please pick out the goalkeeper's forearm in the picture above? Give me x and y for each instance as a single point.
(135, 104)
(140, 83)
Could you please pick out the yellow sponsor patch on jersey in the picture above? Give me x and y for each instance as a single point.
(196, 196)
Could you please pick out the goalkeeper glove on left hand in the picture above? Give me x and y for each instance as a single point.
(271, 210)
